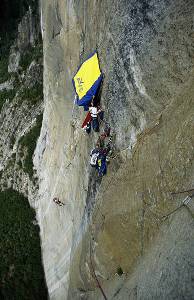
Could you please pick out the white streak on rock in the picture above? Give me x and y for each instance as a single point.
(137, 77)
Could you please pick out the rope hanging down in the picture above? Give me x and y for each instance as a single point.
(94, 274)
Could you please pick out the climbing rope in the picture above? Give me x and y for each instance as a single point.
(93, 270)
(182, 192)
(184, 203)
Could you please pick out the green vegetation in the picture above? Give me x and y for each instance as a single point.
(21, 272)
(119, 271)
(4, 75)
(32, 95)
(11, 11)
(33, 53)
(12, 140)
(10, 164)
(4, 95)
(28, 142)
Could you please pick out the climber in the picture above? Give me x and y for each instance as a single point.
(107, 129)
(104, 135)
(94, 156)
(101, 140)
(109, 145)
(100, 113)
(108, 150)
(57, 201)
(94, 114)
(101, 163)
(87, 127)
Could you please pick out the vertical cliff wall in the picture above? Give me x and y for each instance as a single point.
(116, 225)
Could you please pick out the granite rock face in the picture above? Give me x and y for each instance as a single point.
(117, 224)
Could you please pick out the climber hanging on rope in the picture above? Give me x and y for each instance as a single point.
(94, 156)
(100, 155)
(94, 111)
(57, 201)
(87, 127)
(107, 129)
(101, 162)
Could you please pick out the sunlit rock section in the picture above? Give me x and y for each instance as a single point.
(110, 225)
(61, 156)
